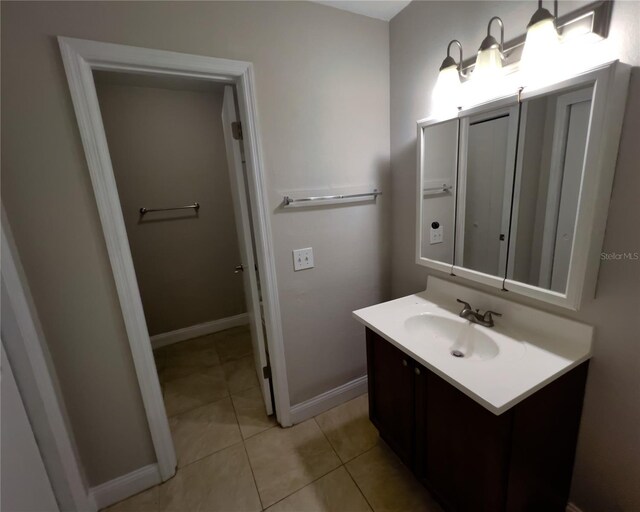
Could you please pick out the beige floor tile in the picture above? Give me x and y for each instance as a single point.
(240, 374)
(285, 460)
(233, 343)
(206, 356)
(194, 344)
(220, 482)
(175, 372)
(348, 428)
(250, 411)
(204, 430)
(202, 386)
(146, 501)
(334, 492)
(179, 360)
(387, 484)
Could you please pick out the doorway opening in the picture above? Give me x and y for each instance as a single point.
(176, 151)
(251, 212)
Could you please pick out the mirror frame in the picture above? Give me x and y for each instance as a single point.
(420, 260)
(610, 82)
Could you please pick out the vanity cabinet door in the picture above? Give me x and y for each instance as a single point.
(464, 449)
(391, 395)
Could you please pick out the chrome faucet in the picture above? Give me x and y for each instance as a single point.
(475, 317)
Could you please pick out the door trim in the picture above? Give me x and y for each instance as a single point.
(80, 58)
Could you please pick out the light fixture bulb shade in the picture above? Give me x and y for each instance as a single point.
(540, 53)
(488, 65)
(446, 93)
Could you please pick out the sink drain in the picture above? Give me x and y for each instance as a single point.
(457, 353)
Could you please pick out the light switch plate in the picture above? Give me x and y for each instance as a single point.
(302, 259)
(436, 235)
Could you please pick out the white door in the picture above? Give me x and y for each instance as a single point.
(486, 182)
(24, 484)
(245, 242)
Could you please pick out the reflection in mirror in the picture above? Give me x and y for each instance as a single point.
(440, 151)
(487, 154)
(553, 136)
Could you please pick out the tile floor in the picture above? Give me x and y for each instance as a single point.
(233, 458)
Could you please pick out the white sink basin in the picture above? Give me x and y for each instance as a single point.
(460, 338)
(496, 366)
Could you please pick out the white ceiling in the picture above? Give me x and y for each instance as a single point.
(379, 9)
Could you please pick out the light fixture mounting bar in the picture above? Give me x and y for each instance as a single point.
(596, 15)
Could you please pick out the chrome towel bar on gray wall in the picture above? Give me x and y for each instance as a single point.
(289, 202)
(195, 206)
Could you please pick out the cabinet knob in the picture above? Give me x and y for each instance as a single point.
(404, 362)
(416, 371)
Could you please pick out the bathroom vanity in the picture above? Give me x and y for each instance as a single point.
(493, 429)
(512, 194)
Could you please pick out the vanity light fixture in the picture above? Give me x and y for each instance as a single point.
(490, 57)
(539, 56)
(446, 93)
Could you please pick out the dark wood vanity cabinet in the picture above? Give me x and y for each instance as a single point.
(393, 408)
(469, 458)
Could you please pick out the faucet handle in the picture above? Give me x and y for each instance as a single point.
(488, 315)
(466, 304)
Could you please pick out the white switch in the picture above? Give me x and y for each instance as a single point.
(302, 258)
(435, 233)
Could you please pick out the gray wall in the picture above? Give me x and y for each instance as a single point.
(167, 149)
(608, 460)
(322, 80)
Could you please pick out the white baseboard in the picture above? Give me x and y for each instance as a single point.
(125, 486)
(572, 508)
(328, 399)
(193, 331)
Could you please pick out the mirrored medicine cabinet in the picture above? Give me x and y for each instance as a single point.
(514, 193)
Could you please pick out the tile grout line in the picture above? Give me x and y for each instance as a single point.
(328, 441)
(261, 432)
(208, 455)
(246, 452)
(228, 395)
(315, 479)
(364, 496)
(253, 476)
(356, 483)
(192, 369)
(243, 440)
(344, 463)
(305, 485)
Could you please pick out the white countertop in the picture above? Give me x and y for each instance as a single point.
(535, 347)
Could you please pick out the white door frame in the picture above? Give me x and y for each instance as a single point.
(80, 58)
